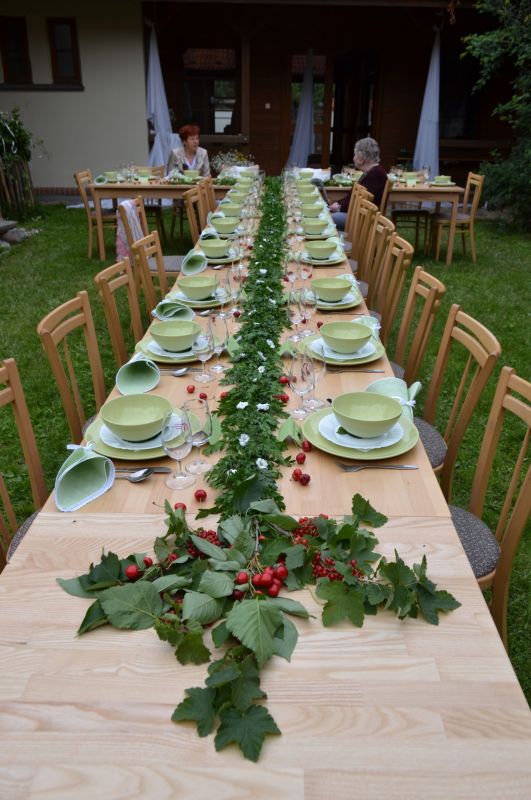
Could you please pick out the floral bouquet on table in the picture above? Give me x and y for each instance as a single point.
(224, 163)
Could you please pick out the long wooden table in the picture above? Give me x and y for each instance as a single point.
(401, 709)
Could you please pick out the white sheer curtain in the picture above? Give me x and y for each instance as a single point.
(427, 146)
(303, 138)
(157, 108)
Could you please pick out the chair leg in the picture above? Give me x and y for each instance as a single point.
(472, 243)
(463, 239)
(91, 229)
(173, 217)
(438, 236)
(181, 222)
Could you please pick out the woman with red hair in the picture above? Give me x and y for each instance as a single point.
(189, 155)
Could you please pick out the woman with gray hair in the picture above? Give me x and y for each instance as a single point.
(374, 178)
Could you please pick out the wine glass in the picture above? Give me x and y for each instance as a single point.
(220, 332)
(295, 315)
(177, 444)
(225, 297)
(308, 301)
(199, 410)
(301, 380)
(319, 371)
(203, 349)
(306, 270)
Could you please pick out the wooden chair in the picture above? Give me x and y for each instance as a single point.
(172, 264)
(12, 394)
(207, 198)
(54, 329)
(352, 222)
(108, 282)
(385, 196)
(389, 282)
(481, 352)
(83, 180)
(361, 229)
(191, 203)
(153, 206)
(422, 304)
(491, 554)
(374, 253)
(148, 255)
(465, 218)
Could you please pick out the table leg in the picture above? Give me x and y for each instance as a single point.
(451, 232)
(99, 227)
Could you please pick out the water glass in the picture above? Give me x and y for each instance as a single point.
(220, 332)
(199, 412)
(312, 402)
(177, 444)
(203, 349)
(308, 302)
(295, 315)
(301, 381)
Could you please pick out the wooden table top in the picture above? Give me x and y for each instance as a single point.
(394, 709)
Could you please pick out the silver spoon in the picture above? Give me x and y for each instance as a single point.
(136, 477)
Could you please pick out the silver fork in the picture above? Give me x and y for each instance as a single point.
(352, 369)
(357, 467)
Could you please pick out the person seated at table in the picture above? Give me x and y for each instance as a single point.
(189, 155)
(374, 178)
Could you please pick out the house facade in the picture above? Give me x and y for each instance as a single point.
(77, 72)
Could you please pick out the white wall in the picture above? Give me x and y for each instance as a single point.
(105, 124)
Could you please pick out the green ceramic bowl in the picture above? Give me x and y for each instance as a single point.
(314, 226)
(320, 249)
(366, 414)
(111, 176)
(345, 337)
(307, 190)
(311, 209)
(198, 287)
(438, 178)
(215, 248)
(175, 335)
(231, 209)
(306, 173)
(331, 290)
(244, 179)
(225, 224)
(136, 417)
(237, 198)
(191, 173)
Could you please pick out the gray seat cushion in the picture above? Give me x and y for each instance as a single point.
(19, 535)
(479, 543)
(363, 286)
(353, 264)
(171, 264)
(433, 442)
(398, 371)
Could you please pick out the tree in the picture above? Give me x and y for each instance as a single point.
(508, 180)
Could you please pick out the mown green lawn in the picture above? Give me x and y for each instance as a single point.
(51, 267)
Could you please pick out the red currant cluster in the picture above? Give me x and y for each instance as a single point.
(305, 528)
(271, 579)
(325, 568)
(209, 536)
(358, 573)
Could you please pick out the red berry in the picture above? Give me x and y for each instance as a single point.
(180, 505)
(203, 396)
(305, 479)
(300, 458)
(242, 577)
(172, 557)
(190, 388)
(306, 445)
(273, 590)
(236, 313)
(320, 323)
(148, 561)
(283, 380)
(267, 579)
(237, 595)
(223, 395)
(284, 398)
(296, 474)
(281, 572)
(256, 580)
(200, 495)
(132, 572)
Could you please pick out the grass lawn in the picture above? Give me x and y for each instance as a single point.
(49, 268)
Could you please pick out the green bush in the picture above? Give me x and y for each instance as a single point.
(508, 184)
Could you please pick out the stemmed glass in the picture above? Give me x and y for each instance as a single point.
(305, 270)
(177, 444)
(308, 301)
(225, 297)
(220, 332)
(200, 410)
(203, 349)
(319, 371)
(301, 380)
(295, 315)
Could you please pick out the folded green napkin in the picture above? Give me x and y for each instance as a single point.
(84, 476)
(232, 346)
(371, 323)
(171, 309)
(209, 233)
(398, 389)
(194, 261)
(219, 214)
(139, 375)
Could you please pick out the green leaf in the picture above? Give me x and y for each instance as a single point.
(283, 521)
(168, 631)
(246, 687)
(245, 544)
(272, 548)
(247, 729)
(289, 606)
(285, 639)
(94, 618)
(162, 549)
(220, 634)
(231, 528)
(343, 602)
(209, 549)
(198, 706)
(192, 650)
(74, 587)
(135, 606)
(225, 673)
(265, 506)
(397, 572)
(108, 570)
(225, 566)
(376, 593)
(168, 583)
(247, 492)
(364, 512)
(201, 607)
(295, 556)
(254, 623)
(430, 604)
(216, 584)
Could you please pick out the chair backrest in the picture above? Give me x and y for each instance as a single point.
(12, 393)
(191, 202)
(366, 215)
(353, 220)
(385, 195)
(472, 196)
(482, 350)
(108, 282)
(208, 195)
(396, 262)
(513, 396)
(425, 293)
(371, 260)
(135, 205)
(147, 252)
(83, 180)
(54, 330)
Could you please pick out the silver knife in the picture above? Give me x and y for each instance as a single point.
(134, 469)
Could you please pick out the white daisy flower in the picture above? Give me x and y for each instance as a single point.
(241, 405)
(262, 406)
(261, 369)
(243, 440)
(261, 463)
(271, 343)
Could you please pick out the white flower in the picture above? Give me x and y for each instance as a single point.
(262, 271)
(243, 440)
(261, 369)
(257, 281)
(241, 405)
(231, 472)
(270, 300)
(261, 463)
(262, 406)
(271, 343)
(261, 356)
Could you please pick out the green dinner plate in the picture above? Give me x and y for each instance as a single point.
(142, 347)
(378, 353)
(195, 303)
(310, 430)
(92, 434)
(225, 260)
(341, 306)
(323, 262)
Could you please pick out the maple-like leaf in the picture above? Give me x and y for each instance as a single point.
(192, 650)
(198, 707)
(431, 603)
(343, 602)
(247, 729)
(246, 687)
(362, 511)
(135, 606)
